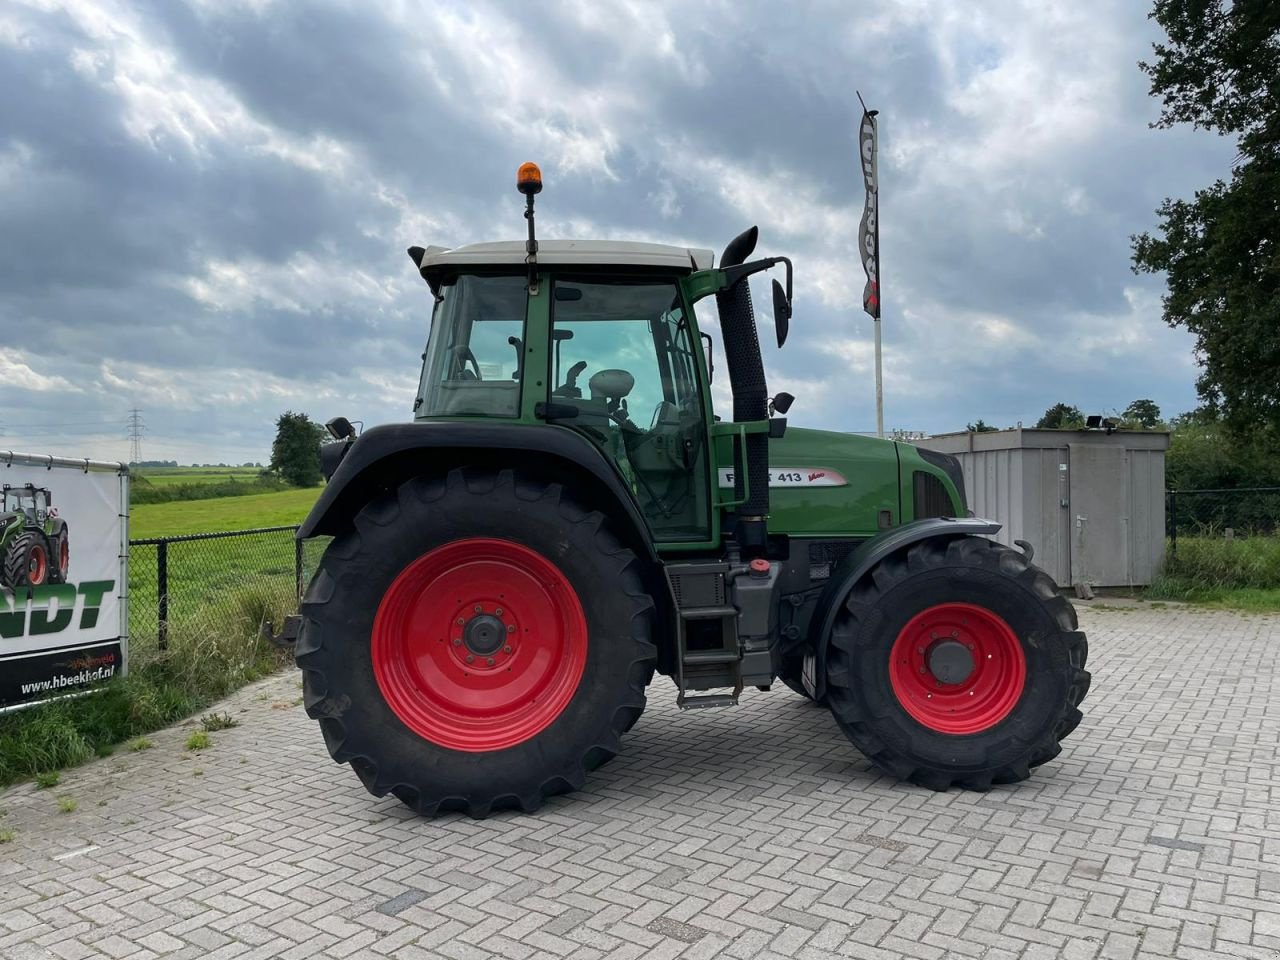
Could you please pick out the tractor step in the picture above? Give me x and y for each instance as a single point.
(705, 701)
(708, 613)
(696, 657)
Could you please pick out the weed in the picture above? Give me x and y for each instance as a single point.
(199, 740)
(47, 779)
(139, 744)
(214, 722)
(6, 836)
(67, 804)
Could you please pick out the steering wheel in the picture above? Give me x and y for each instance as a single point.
(462, 355)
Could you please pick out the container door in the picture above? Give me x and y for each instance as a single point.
(1099, 517)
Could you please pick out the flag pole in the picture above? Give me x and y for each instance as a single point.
(879, 384)
(869, 241)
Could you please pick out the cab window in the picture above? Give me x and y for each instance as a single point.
(471, 366)
(622, 358)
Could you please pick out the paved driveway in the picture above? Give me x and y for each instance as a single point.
(748, 832)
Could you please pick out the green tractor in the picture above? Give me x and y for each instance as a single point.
(567, 515)
(34, 548)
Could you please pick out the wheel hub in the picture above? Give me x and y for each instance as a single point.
(479, 644)
(950, 662)
(957, 668)
(484, 634)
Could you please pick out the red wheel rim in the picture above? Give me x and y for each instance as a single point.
(37, 566)
(479, 644)
(927, 668)
(64, 557)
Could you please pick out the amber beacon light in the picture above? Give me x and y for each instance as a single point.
(529, 179)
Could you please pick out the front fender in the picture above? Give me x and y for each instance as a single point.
(859, 564)
(384, 457)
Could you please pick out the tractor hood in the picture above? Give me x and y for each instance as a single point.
(824, 483)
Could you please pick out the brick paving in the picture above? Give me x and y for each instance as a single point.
(755, 831)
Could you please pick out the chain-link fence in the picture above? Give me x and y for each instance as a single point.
(201, 584)
(1240, 512)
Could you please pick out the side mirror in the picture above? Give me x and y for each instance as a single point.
(711, 367)
(781, 403)
(781, 313)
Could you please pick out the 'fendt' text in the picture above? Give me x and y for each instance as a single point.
(50, 608)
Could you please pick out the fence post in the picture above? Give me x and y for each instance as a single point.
(162, 586)
(297, 567)
(1173, 523)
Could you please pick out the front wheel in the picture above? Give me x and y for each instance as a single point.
(60, 555)
(957, 663)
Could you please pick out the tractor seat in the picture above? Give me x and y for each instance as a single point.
(611, 386)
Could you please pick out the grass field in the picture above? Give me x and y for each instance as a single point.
(164, 476)
(225, 513)
(1241, 574)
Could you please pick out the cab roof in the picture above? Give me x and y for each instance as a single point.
(592, 253)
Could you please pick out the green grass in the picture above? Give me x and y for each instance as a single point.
(139, 744)
(67, 804)
(226, 513)
(1239, 574)
(199, 740)
(164, 476)
(47, 778)
(141, 492)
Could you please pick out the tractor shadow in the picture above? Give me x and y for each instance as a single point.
(773, 744)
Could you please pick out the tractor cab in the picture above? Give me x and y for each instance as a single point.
(31, 501)
(601, 343)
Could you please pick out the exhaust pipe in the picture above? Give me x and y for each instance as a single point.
(750, 395)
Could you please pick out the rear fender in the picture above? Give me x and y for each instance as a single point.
(858, 565)
(386, 456)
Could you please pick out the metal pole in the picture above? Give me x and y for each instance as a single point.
(297, 567)
(162, 585)
(879, 385)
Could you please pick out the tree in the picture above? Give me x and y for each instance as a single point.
(980, 426)
(295, 454)
(1221, 251)
(1061, 416)
(1142, 413)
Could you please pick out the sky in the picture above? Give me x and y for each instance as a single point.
(205, 204)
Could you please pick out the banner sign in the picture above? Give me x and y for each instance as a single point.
(869, 229)
(63, 576)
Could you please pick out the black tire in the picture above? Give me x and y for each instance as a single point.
(334, 648)
(57, 544)
(981, 573)
(17, 560)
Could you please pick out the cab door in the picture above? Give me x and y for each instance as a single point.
(624, 357)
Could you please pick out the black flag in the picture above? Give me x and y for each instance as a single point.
(869, 230)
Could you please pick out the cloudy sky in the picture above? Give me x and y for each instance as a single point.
(204, 205)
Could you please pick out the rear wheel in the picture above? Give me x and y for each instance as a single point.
(957, 663)
(477, 641)
(26, 563)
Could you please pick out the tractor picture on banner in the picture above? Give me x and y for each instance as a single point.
(63, 542)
